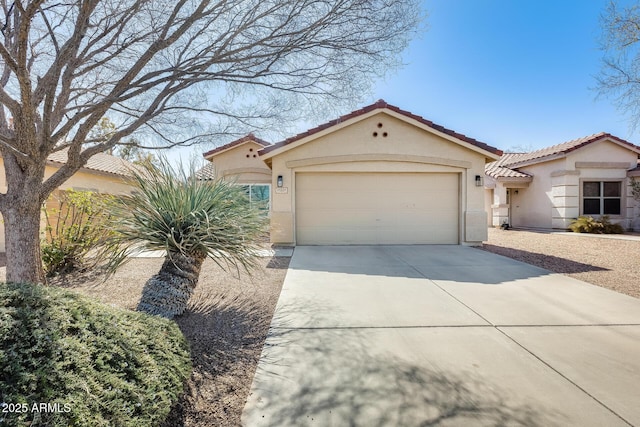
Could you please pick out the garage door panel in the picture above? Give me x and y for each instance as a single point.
(377, 208)
(326, 235)
(337, 218)
(322, 200)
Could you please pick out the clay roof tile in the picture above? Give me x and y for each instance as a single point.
(247, 138)
(381, 104)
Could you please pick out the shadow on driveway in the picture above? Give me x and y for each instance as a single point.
(336, 377)
(549, 262)
(406, 335)
(433, 262)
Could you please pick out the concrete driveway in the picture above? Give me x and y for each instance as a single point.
(443, 335)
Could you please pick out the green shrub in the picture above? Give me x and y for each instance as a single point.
(77, 233)
(93, 364)
(588, 224)
(585, 224)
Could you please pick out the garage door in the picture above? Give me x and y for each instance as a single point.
(377, 208)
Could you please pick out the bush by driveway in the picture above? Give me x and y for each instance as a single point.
(226, 325)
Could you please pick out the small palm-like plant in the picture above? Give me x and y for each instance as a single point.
(603, 225)
(191, 220)
(586, 224)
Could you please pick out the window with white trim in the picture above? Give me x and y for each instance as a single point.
(601, 197)
(258, 193)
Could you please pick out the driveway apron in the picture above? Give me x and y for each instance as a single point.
(443, 335)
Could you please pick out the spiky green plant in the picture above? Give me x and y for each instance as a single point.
(588, 224)
(191, 220)
(585, 224)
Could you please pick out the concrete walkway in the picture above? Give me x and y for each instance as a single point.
(444, 335)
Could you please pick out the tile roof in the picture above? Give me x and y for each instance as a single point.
(498, 169)
(247, 138)
(564, 148)
(101, 162)
(379, 105)
(635, 171)
(506, 166)
(206, 173)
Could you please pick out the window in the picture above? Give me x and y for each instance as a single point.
(601, 197)
(258, 193)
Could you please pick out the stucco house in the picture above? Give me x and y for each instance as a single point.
(103, 173)
(548, 188)
(378, 175)
(240, 162)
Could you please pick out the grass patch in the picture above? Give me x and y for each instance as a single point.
(88, 363)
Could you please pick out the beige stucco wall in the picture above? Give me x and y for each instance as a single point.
(488, 201)
(84, 180)
(352, 147)
(532, 206)
(81, 180)
(553, 198)
(242, 164)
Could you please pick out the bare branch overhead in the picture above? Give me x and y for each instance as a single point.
(620, 73)
(152, 65)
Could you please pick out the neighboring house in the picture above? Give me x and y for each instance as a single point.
(239, 162)
(103, 173)
(548, 188)
(379, 175)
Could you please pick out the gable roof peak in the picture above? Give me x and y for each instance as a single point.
(382, 104)
(546, 153)
(247, 138)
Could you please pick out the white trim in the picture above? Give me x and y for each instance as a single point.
(374, 157)
(602, 198)
(249, 184)
(603, 165)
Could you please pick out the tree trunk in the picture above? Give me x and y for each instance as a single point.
(22, 240)
(167, 293)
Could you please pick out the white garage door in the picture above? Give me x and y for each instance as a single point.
(376, 208)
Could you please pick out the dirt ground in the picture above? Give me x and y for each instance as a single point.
(607, 262)
(226, 325)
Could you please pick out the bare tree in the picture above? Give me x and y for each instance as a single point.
(176, 70)
(520, 148)
(620, 44)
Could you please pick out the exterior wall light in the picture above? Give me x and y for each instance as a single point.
(279, 181)
(479, 181)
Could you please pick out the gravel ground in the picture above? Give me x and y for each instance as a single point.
(226, 325)
(607, 262)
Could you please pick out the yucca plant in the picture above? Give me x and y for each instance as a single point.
(191, 220)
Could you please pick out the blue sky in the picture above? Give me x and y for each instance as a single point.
(508, 72)
(511, 73)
